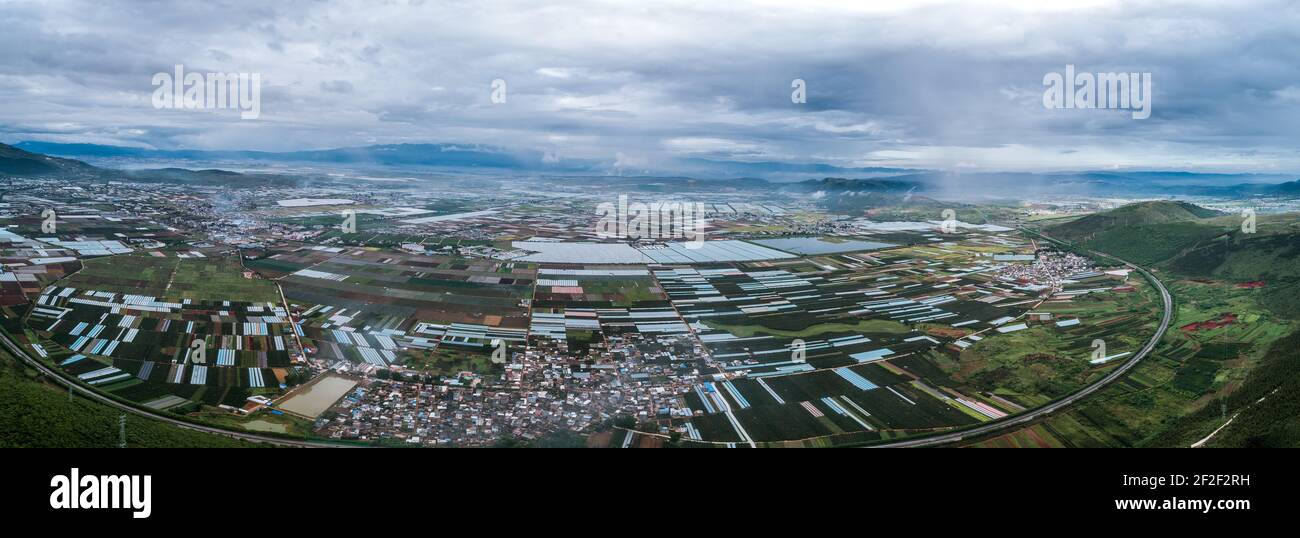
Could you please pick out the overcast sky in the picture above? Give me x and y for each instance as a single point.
(918, 84)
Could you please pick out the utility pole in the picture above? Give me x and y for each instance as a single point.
(121, 432)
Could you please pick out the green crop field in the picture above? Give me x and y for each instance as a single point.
(1194, 382)
(449, 361)
(197, 279)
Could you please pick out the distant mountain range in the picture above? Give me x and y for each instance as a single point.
(1022, 185)
(31, 158)
(462, 156)
(19, 162)
(444, 155)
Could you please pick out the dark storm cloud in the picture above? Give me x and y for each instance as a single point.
(929, 85)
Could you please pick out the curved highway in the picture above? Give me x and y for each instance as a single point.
(1037, 413)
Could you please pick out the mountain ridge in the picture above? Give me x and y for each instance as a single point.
(16, 161)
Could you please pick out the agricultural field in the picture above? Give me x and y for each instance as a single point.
(86, 223)
(171, 334)
(448, 361)
(374, 225)
(430, 313)
(171, 277)
(23, 283)
(1054, 355)
(1226, 351)
(845, 349)
(1185, 389)
(427, 288)
(32, 259)
(589, 306)
(616, 288)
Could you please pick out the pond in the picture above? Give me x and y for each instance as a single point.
(314, 398)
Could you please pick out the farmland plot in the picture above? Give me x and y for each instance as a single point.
(895, 343)
(142, 348)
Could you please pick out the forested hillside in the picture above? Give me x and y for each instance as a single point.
(35, 414)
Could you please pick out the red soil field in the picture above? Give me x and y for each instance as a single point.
(1222, 321)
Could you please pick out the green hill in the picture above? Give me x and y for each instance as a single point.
(1145, 233)
(1138, 214)
(1184, 239)
(37, 414)
(1180, 238)
(1239, 257)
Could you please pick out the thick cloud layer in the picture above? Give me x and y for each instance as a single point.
(927, 84)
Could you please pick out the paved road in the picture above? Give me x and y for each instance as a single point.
(21, 353)
(1035, 414)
